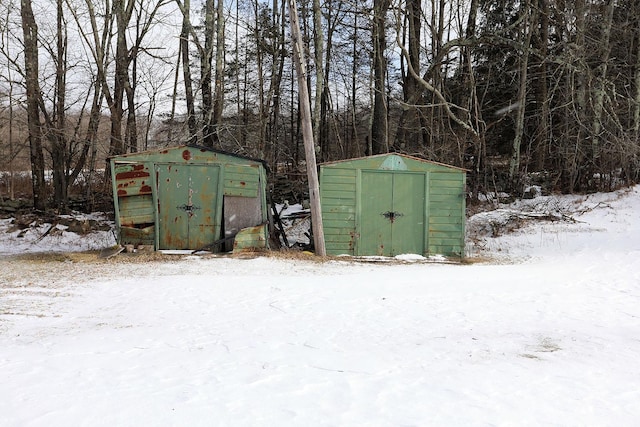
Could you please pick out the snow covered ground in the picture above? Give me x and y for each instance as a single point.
(544, 331)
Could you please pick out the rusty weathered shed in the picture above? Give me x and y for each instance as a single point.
(393, 204)
(190, 197)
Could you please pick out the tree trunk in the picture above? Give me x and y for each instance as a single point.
(30, 33)
(122, 12)
(409, 128)
(514, 165)
(543, 131)
(218, 104)
(600, 86)
(186, 74)
(318, 44)
(57, 133)
(636, 109)
(206, 55)
(379, 119)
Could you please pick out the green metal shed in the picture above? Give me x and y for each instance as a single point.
(190, 197)
(393, 204)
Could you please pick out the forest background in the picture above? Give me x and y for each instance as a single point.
(523, 92)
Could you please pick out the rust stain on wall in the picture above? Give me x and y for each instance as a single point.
(132, 174)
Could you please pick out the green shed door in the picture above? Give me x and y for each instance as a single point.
(392, 215)
(187, 199)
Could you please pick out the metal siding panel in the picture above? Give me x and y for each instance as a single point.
(337, 208)
(446, 213)
(341, 178)
(337, 171)
(376, 198)
(204, 227)
(343, 196)
(408, 204)
(188, 197)
(173, 181)
(242, 181)
(133, 186)
(342, 217)
(132, 180)
(445, 220)
(446, 234)
(446, 227)
(135, 210)
(338, 200)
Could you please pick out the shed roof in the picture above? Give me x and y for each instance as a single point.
(147, 153)
(405, 156)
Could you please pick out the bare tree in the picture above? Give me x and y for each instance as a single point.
(186, 72)
(318, 44)
(410, 127)
(527, 17)
(379, 115)
(31, 69)
(601, 79)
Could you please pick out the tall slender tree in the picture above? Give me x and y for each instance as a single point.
(379, 115)
(31, 75)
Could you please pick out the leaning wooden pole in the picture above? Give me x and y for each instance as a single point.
(307, 131)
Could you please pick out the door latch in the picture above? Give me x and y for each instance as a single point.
(188, 208)
(391, 216)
